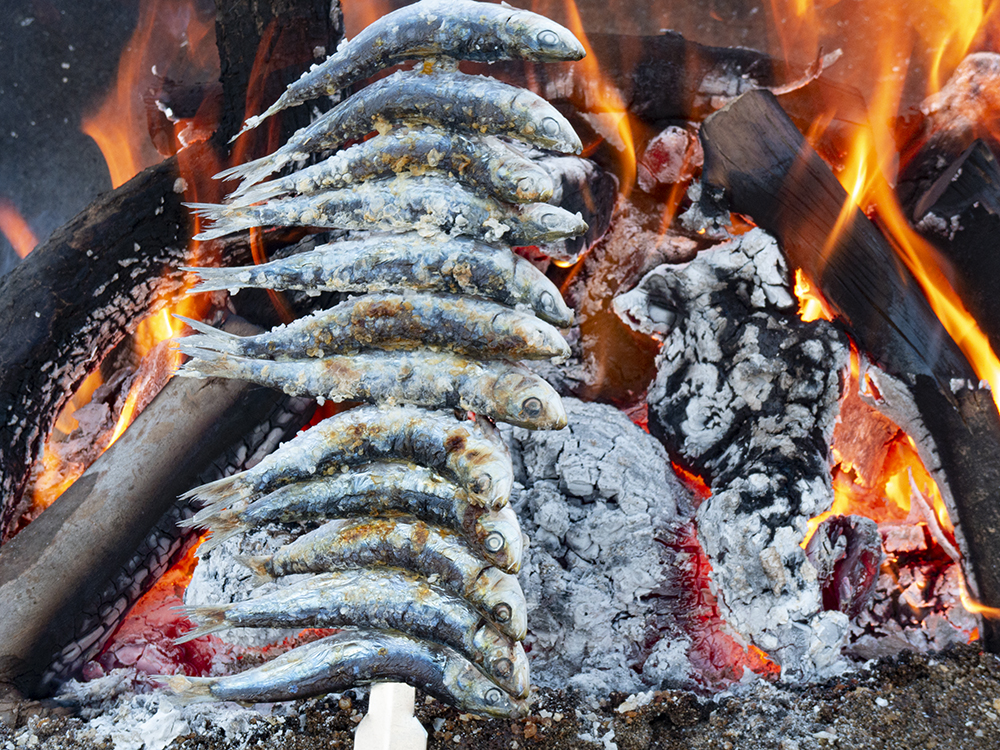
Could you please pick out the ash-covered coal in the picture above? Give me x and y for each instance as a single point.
(593, 498)
(747, 394)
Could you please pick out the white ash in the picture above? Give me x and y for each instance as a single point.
(220, 578)
(748, 393)
(115, 713)
(592, 497)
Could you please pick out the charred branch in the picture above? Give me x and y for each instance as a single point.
(763, 167)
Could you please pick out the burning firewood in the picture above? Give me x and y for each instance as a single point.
(762, 166)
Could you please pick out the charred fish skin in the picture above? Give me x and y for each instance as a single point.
(429, 204)
(430, 551)
(447, 100)
(504, 391)
(470, 453)
(357, 657)
(471, 327)
(459, 29)
(385, 599)
(485, 164)
(457, 265)
(378, 489)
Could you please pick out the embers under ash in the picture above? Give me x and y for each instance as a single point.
(748, 394)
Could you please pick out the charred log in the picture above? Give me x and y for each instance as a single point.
(54, 574)
(960, 215)
(764, 168)
(746, 394)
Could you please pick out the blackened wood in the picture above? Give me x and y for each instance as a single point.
(960, 215)
(53, 573)
(667, 77)
(74, 298)
(768, 171)
(970, 457)
(294, 34)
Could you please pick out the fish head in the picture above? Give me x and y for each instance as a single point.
(532, 184)
(477, 693)
(541, 223)
(502, 596)
(541, 124)
(526, 400)
(544, 340)
(543, 296)
(504, 660)
(540, 39)
(499, 536)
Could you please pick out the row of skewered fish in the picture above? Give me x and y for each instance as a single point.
(409, 541)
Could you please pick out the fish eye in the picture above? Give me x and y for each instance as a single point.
(546, 301)
(493, 696)
(551, 126)
(494, 541)
(548, 38)
(504, 667)
(502, 612)
(531, 406)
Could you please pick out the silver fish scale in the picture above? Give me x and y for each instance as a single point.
(421, 563)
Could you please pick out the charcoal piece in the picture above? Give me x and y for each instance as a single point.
(747, 394)
(593, 498)
(960, 215)
(846, 552)
(673, 155)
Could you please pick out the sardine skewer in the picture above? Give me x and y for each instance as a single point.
(379, 489)
(389, 262)
(429, 204)
(451, 101)
(470, 327)
(387, 599)
(470, 453)
(357, 657)
(460, 29)
(485, 164)
(503, 391)
(433, 552)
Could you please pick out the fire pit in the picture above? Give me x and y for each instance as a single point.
(680, 582)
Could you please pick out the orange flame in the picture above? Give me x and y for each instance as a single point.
(169, 33)
(16, 229)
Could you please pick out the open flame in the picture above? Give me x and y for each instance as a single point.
(16, 229)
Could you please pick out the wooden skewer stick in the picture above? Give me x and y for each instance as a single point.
(390, 723)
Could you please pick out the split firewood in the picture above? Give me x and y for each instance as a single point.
(762, 166)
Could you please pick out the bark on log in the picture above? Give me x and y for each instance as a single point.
(765, 169)
(53, 573)
(960, 215)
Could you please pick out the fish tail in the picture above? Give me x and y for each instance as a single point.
(209, 363)
(218, 537)
(220, 491)
(254, 171)
(257, 564)
(255, 120)
(188, 689)
(211, 618)
(256, 193)
(213, 279)
(210, 338)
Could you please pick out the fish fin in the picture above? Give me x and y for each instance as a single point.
(208, 338)
(258, 564)
(188, 689)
